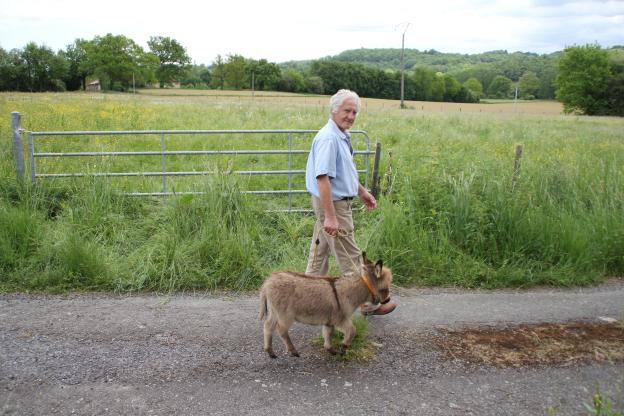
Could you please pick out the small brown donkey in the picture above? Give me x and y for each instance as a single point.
(328, 301)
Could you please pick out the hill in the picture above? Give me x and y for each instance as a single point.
(483, 66)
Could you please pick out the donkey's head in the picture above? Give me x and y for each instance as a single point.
(380, 277)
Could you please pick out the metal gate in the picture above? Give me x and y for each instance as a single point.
(167, 144)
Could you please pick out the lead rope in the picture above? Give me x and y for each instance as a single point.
(340, 234)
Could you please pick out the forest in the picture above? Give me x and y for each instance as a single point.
(120, 64)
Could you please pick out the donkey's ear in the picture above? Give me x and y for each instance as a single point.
(378, 268)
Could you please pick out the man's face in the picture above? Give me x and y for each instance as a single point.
(345, 116)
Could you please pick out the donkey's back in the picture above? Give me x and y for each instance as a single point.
(292, 296)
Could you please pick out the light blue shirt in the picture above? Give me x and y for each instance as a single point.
(331, 155)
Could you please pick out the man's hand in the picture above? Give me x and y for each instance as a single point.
(330, 225)
(367, 198)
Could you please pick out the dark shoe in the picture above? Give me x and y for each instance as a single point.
(382, 309)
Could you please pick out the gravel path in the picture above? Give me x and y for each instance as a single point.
(93, 354)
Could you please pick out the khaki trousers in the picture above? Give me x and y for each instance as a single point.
(342, 247)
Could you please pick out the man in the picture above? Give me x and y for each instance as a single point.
(332, 179)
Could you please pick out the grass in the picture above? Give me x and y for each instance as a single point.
(450, 213)
(361, 348)
(600, 406)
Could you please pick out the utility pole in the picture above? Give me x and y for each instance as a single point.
(403, 63)
(253, 84)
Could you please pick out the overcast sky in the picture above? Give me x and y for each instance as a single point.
(282, 30)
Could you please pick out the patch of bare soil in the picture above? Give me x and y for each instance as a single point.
(535, 344)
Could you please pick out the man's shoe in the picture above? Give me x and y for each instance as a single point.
(382, 309)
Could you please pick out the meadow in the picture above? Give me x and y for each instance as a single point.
(452, 211)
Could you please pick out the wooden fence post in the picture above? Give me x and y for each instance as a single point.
(375, 187)
(517, 159)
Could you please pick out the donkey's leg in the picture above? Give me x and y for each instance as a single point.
(269, 327)
(349, 331)
(328, 333)
(282, 329)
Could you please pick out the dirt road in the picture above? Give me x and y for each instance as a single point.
(202, 354)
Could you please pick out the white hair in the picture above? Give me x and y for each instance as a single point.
(339, 98)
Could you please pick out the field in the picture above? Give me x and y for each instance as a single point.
(453, 210)
(281, 98)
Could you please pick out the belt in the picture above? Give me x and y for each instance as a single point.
(346, 198)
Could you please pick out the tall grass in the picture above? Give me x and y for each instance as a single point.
(450, 214)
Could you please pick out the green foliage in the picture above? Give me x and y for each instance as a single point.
(528, 85)
(117, 59)
(500, 87)
(34, 68)
(483, 67)
(615, 88)
(197, 76)
(601, 406)
(293, 81)
(422, 84)
(235, 72)
(583, 79)
(454, 214)
(361, 348)
(474, 86)
(76, 77)
(218, 73)
(172, 56)
(265, 75)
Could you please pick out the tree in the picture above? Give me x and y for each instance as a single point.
(44, 69)
(8, 70)
(474, 86)
(197, 76)
(583, 79)
(615, 86)
(235, 75)
(74, 54)
(437, 87)
(292, 81)
(117, 60)
(173, 59)
(423, 79)
(314, 84)
(528, 85)
(500, 87)
(218, 73)
(266, 74)
(452, 88)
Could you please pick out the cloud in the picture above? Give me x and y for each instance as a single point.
(278, 30)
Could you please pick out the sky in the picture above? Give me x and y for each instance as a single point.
(284, 30)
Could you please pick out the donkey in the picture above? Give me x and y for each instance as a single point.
(286, 297)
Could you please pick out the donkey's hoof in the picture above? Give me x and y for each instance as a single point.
(332, 351)
(294, 353)
(343, 349)
(271, 354)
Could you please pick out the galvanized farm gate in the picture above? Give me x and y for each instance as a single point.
(288, 151)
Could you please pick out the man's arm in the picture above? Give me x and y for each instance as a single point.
(330, 224)
(367, 198)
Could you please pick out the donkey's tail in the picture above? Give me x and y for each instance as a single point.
(263, 305)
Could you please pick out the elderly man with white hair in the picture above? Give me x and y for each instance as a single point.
(332, 180)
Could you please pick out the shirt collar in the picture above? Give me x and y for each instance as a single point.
(345, 135)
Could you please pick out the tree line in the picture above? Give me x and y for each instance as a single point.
(119, 64)
(116, 61)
